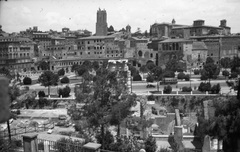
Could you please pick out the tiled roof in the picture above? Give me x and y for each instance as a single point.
(199, 46)
(175, 40)
(96, 37)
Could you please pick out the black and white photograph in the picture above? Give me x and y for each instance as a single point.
(119, 75)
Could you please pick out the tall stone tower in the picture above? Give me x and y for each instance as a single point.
(128, 30)
(101, 25)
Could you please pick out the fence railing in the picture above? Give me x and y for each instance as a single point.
(53, 146)
(24, 130)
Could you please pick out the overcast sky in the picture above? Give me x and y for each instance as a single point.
(17, 15)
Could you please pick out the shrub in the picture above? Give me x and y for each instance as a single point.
(65, 92)
(225, 73)
(230, 83)
(150, 86)
(137, 78)
(167, 89)
(234, 75)
(61, 72)
(169, 74)
(215, 76)
(181, 75)
(27, 81)
(186, 89)
(64, 80)
(150, 78)
(196, 72)
(203, 87)
(16, 143)
(151, 98)
(187, 77)
(66, 133)
(40, 146)
(215, 89)
(41, 94)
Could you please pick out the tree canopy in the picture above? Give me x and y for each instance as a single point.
(109, 101)
(48, 78)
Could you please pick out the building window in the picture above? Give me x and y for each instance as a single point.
(211, 54)
(88, 48)
(151, 55)
(89, 53)
(88, 42)
(140, 53)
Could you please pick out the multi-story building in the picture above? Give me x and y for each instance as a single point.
(199, 54)
(159, 30)
(200, 29)
(138, 52)
(42, 39)
(16, 53)
(220, 46)
(180, 49)
(173, 30)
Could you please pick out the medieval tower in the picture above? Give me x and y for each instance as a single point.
(101, 25)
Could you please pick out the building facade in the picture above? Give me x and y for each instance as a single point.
(179, 49)
(16, 53)
(101, 25)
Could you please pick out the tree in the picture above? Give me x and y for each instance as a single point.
(168, 74)
(234, 75)
(150, 144)
(41, 94)
(225, 73)
(81, 70)
(44, 65)
(95, 65)
(187, 77)
(235, 64)
(157, 73)
(150, 78)
(181, 75)
(48, 79)
(5, 72)
(146, 33)
(65, 92)
(174, 65)
(143, 69)
(61, 72)
(75, 67)
(87, 64)
(150, 66)
(133, 70)
(64, 80)
(209, 60)
(167, 89)
(225, 62)
(210, 69)
(109, 101)
(110, 29)
(137, 78)
(27, 81)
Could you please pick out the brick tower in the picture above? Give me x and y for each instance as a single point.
(101, 25)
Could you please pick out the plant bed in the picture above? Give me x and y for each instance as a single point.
(156, 92)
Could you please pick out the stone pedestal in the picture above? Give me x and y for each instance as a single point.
(92, 147)
(30, 143)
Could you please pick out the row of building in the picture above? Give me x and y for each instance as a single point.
(191, 44)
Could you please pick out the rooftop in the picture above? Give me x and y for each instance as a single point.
(96, 37)
(175, 40)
